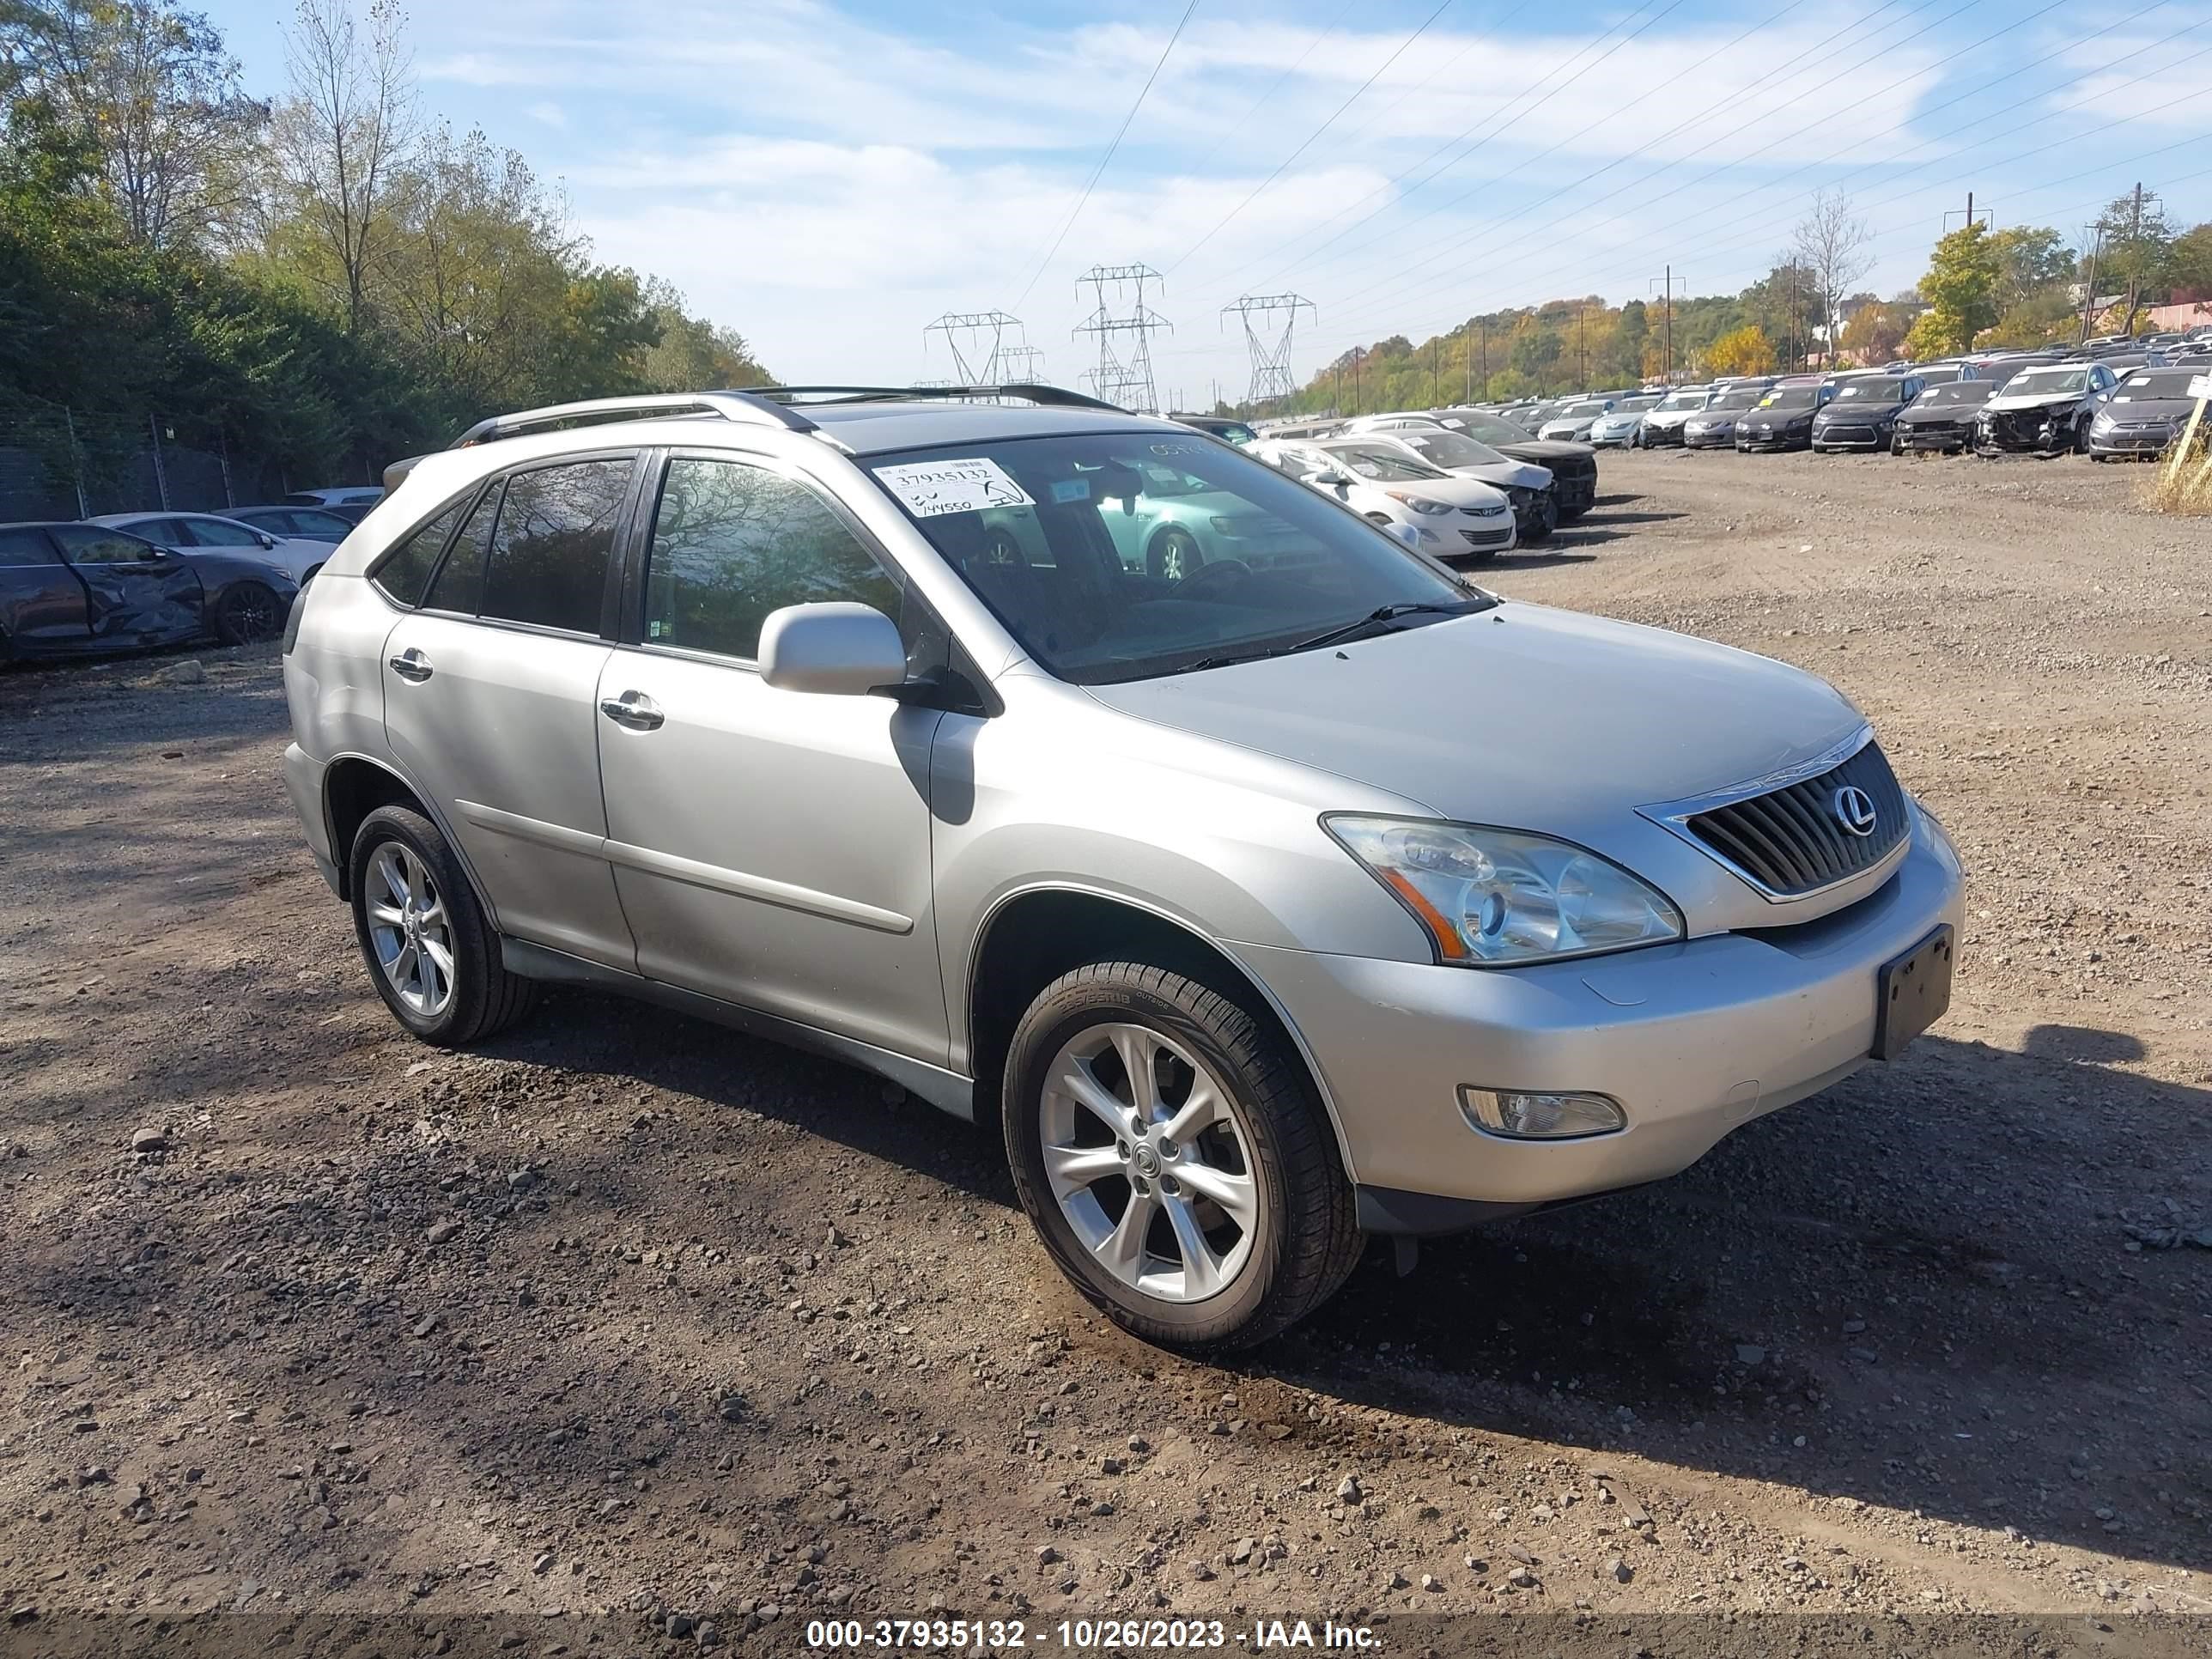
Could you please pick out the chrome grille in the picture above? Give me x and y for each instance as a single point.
(1791, 841)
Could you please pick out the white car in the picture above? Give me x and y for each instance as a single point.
(1661, 427)
(181, 533)
(1527, 486)
(1572, 424)
(1452, 518)
(1618, 427)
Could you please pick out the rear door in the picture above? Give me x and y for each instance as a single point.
(490, 696)
(42, 604)
(135, 593)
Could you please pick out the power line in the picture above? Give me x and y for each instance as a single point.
(1273, 87)
(1311, 137)
(1091, 184)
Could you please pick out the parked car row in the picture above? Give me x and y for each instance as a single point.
(126, 581)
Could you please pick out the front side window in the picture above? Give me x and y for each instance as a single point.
(214, 532)
(87, 544)
(1442, 448)
(402, 572)
(732, 542)
(1101, 581)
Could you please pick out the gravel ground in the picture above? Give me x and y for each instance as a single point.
(630, 1333)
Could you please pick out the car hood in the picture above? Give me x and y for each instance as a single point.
(1545, 452)
(1513, 475)
(1671, 417)
(1717, 417)
(2150, 409)
(2037, 400)
(1856, 409)
(1939, 414)
(1764, 417)
(1521, 716)
(1565, 431)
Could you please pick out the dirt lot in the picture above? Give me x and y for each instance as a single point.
(629, 1322)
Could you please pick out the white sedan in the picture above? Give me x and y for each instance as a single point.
(182, 533)
(1451, 518)
(1527, 486)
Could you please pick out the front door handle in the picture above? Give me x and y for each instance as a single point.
(633, 709)
(411, 664)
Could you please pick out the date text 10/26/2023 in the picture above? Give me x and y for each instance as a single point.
(1079, 1635)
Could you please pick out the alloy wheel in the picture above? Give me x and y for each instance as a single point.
(409, 929)
(1147, 1161)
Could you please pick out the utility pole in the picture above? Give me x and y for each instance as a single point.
(1484, 328)
(2089, 284)
(1436, 396)
(1666, 285)
(1971, 215)
(1357, 352)
(2135, 258)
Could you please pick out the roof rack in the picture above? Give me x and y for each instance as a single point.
(1057, 396)
(747, 406)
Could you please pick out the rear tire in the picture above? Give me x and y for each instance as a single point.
(431, 952)
(247, 613)
(1191, 1273)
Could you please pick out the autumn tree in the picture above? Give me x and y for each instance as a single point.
(1960, 289)
(341, 140)
(1744, 351)
(155, 93)
(1876, 332)
(1830, 243)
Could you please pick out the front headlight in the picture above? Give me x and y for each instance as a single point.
(1231, 528)
(2103, 422)
(1490, 897)
(1418, 503)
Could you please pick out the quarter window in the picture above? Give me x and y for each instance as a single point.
(403, 571)
(210, 533)
(19, 547)
(733, 542)
(85, 546)
(556, 533)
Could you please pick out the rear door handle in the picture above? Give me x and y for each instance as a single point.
(633, 709)
(411, 664)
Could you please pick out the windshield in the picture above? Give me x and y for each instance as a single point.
(1686, 400)
(1636, 405)
(2047, 382)
(1491, 428)
(1580, 411)
(1883, 391)
(1791, 397)
(1450, 449)
(1102, 581)
(2143, 388)
(1376, 461)
(1958, 392)
(1743, 398)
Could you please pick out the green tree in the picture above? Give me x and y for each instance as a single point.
(2136, 239)
(2030, 259)
(1960, 289)
(2190, 264)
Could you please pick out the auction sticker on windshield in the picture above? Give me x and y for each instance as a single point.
(930, 488)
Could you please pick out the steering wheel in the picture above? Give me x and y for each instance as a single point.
(1206, 575)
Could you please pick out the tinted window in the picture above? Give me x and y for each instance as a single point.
(168, 531)
(319, 523)
(22, 547)
(556, 531)
(402, 572)
(459, 584)
(213, 532)
(732, 542)
(89, 544)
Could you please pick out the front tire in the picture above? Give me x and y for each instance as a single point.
(1173, 1157)
(431, 952)
(1174, 554)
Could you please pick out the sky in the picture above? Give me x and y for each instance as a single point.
(830, 179)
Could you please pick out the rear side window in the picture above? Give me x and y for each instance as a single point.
(732, 542)
(549, 553)
(208, 532)
(22, 547)
(86, 546)
(459, 584)
(403, 572)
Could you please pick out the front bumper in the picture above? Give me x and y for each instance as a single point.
(1710, 437)
(1800, 438)
(1944, 437)
(303, 782)
(1857, 436)
(1693, 1039)
(1661, 437)
(2122, 440)
(2025, 432)
(1576, 493)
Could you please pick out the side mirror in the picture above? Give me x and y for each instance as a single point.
(1333, 479)
(268, 541)
(149, 555)
(836, 650)
(1409, 534)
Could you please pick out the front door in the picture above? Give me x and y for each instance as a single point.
(490, 699)
(771, 848)
(135, 593)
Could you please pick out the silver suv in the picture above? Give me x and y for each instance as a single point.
(1264, 902)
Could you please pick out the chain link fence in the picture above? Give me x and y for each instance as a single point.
(60, 462)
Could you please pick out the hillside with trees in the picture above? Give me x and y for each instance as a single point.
(308, 280)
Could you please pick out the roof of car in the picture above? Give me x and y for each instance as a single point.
(872, 428)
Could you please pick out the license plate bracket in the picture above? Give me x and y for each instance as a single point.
(1912, 992)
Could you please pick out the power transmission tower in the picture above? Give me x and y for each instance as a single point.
(1020, 365)
(1269, 343)
(1124, 374)
(978, 340)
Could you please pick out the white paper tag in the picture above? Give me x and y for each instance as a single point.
(931, 488)
(2200, 386)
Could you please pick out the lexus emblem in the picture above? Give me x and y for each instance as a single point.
(1854, 809)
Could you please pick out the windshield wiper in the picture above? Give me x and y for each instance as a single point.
(1382, 613)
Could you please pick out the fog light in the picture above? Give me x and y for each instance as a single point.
(1539, 1116)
